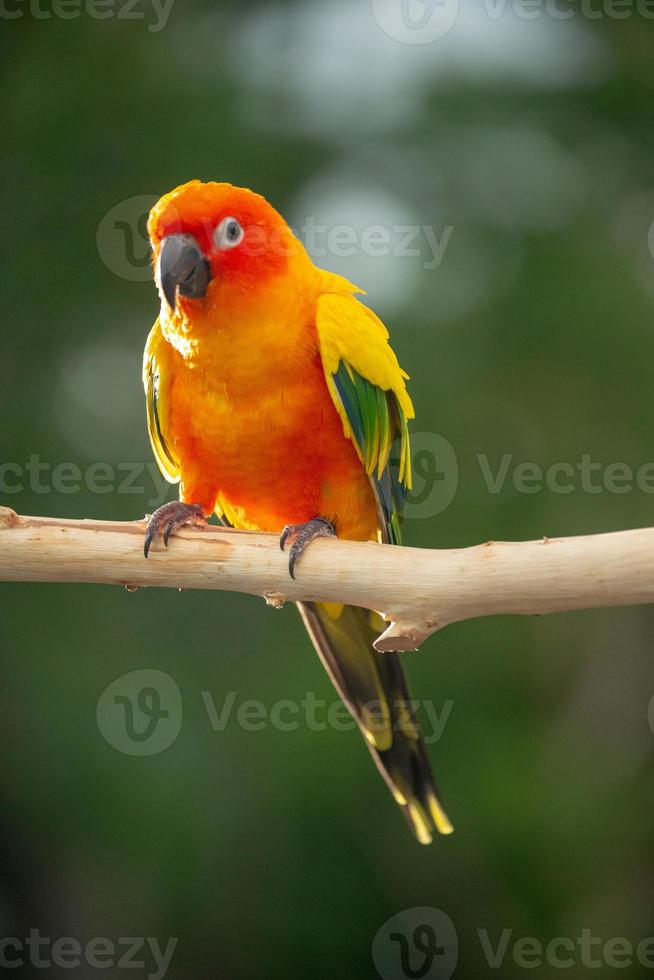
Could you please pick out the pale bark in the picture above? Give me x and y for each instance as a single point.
(417, 590)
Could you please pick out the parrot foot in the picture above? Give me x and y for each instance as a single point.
(302, 535)
(168, 518)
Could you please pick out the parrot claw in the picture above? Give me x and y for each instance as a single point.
(168, 518)
(302, 535)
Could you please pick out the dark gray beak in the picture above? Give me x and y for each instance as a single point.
(182, 265)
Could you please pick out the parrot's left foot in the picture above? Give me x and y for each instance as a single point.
(168, 518)
(302, 535)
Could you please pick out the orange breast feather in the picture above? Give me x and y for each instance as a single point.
(256, 433)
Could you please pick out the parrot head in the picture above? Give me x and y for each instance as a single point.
(213, 240)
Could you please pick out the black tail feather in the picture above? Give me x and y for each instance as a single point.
(373, 687)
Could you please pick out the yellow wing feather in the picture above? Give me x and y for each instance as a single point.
(350, 333)
(155, 384)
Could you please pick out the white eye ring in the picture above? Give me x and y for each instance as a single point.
(228, 233)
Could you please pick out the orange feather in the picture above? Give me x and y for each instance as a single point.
(249, 407)
(253, 424)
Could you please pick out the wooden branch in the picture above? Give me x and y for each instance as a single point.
(418, 591)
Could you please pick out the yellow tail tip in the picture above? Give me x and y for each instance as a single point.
(440, 818)
(419, 823)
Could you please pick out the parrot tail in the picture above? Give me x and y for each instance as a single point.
(373, 687)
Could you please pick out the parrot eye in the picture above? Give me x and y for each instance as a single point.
(228, 233)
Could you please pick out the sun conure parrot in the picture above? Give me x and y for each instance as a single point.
(274, 399)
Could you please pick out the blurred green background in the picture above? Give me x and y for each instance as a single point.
(280, 853)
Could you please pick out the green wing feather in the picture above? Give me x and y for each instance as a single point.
(381, 435)
(368, 388)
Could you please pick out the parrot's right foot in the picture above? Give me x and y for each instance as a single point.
(168, 518)
(303, 534)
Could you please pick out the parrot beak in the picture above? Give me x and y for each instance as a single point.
(182, 265)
